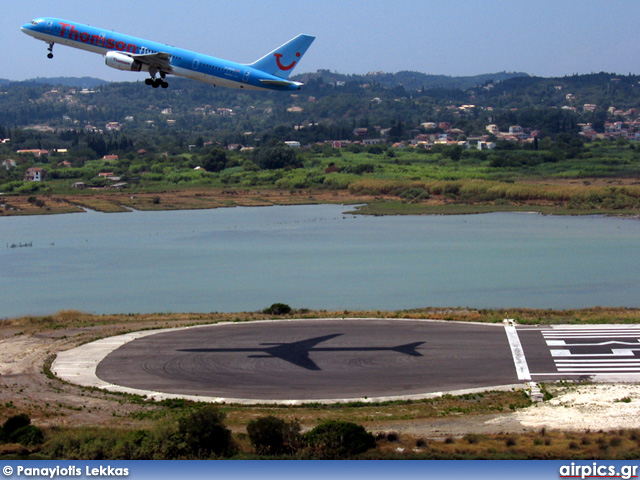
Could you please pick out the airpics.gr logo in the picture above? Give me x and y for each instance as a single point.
(285, 67)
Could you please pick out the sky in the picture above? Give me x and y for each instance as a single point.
(547, 38)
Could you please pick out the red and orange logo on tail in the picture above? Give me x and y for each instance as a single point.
(285, 67)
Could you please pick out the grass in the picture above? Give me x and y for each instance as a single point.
(541, 445)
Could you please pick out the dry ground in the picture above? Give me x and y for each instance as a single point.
(117, 201)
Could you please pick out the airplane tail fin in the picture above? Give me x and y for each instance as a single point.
(283, 59)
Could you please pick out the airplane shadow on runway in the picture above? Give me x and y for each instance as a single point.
(297, 353)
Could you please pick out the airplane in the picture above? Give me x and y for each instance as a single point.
(127, 53)
(297, 353)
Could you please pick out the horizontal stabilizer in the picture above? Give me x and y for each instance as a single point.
(280, 83)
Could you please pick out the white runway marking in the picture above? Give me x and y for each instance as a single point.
(519, 359)
(576, 349)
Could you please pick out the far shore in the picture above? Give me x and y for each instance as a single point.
(364, 204)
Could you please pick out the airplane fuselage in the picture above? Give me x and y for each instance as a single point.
(125, 52)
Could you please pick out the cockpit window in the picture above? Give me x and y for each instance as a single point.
(36, 21)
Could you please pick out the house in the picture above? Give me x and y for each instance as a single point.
(34, 174)
(111, 158)
(9, 163)
(292, 144)
(493, 129)
(35, 152)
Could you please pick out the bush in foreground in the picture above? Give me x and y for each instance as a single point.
(203, 434)
(338, 439)
(18, 429)
(274, 436)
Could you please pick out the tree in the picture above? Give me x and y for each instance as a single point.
(455, 153)
(215, 160)
(277, 309)
(275, 155)
(339, 439)
(273, 436)
(204, 435)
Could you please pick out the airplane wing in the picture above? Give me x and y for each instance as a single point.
(298, 358)
(159, 60)
(296, 352)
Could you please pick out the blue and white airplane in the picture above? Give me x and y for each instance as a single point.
(133, 54)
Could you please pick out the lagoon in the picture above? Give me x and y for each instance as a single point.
(314, 256)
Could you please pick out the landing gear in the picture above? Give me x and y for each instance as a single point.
(50, 54)
(157, 82)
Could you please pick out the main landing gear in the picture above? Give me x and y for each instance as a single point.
(157, 82)
(50, 54)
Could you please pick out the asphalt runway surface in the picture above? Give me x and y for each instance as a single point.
(316, 359)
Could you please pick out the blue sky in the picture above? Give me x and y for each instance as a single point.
(450, 37)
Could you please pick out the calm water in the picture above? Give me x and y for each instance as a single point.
(245, 259)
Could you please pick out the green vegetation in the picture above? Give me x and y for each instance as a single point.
(18, 429)
(274, 436)
(408, 182)
(337, 440)
(277, 309)
(201, 434)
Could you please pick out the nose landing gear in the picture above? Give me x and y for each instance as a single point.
(50, 54)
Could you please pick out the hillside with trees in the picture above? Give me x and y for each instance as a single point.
(406, 128)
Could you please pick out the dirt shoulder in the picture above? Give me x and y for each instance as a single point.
(26, 345)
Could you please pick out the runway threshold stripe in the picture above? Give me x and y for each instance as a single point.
(601, 361)
(598, 370)
(520, 361)
(595, 335)
(597, 365)
(594, 327)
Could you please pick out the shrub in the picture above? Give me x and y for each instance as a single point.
(338, 439)
(18, 429)
(16, 422)
(204, 435)
(27, 435)
(273, 436)
(277, 309)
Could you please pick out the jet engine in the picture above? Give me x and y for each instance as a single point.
(122, 62)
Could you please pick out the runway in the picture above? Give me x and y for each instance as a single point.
(329, 360)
